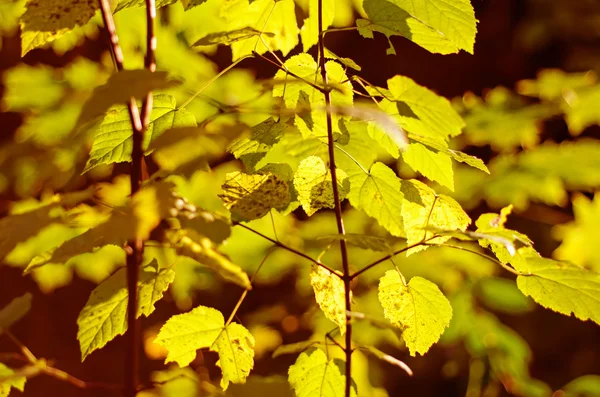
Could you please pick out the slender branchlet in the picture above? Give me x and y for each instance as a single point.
(135, 248)
(347, 277)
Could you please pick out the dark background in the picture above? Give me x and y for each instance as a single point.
(506, 51)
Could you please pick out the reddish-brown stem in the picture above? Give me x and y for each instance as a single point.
(347, 278)
(135, 248)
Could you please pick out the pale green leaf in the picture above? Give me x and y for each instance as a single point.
(310, 30)
(312, 181)
(263, 137)
(348, 62)
(45, 21)
(31, 88)
(104, 315)
(580, 109)
(294, 348)
(364, 241)
(202, 250)
(419, 308)
(379, 195)
(292, 90)
(437, 144)
(276, 17)
(553, 84)
(388, 18)
(202, 328)
(185, 333)
(455, 20)
(313, 375)
(14, 311)
(584, 386)
(17, 382)
(580, 238)
(230, 37)
(421, 111)
(236, 355)
(562, 287)
(123, 4)
(251, 197)
(21, 227)
(141, 215)
(112, 137)
(502, 295)
(423, 208)
(119, 88)
(435, 166)
(329, 293)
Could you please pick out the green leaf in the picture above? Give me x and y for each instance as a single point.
(230, 37)
(562, 287)
(364, 241)
(294, 348)
(263, 137)
(202, 250)
(17, 382)
(348, 62)
(584, 386)
(31, 88)
(112, 137)
(579, 237)
(236, 355)
(388, 18)
(329, 293)
(141, 215)
(45, 21)
(21, 227)
(314, 375)
(251, 197)
(455, 20)
(436, 166)
(502, 295)
(423, 208)
(119, 88)
(312, 181)
(419, 308)
(379, 195)
(276, 17)
(580, 109)
(204, 327)
(104, 315)
(14, 311)
(304, 66)
(123, 4)
(420, 110)
(310, 30)
(185, 333)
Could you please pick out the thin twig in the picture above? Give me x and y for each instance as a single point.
(135, 248)
(481, 254)
(288, 248)
(346, 276)
(385, 258)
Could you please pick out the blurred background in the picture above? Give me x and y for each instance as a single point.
(530, 97)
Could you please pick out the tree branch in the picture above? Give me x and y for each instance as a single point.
(139, 124)
(288, 248)
(347, 277)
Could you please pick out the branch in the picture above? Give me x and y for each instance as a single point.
(347, 278)
(481, 254)
(139, 123)
(288, 248)
(389, 256)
